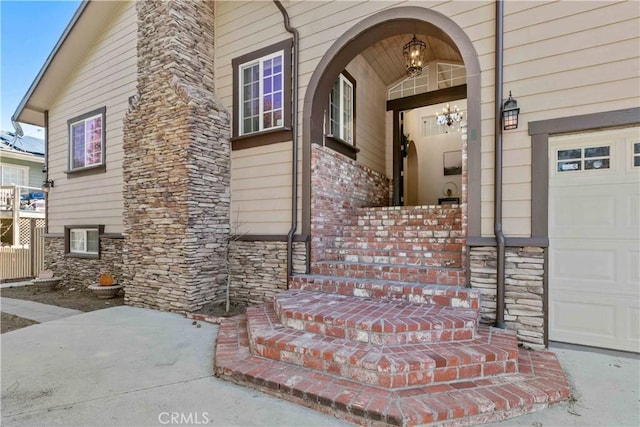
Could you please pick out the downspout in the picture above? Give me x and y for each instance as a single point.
(294, 126)
(46, 167)
(497, 215)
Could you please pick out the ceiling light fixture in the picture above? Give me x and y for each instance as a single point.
(414, 56)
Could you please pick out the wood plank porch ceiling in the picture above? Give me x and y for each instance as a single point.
(387, 59)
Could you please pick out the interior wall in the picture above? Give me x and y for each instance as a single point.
(371, 96)
(430, 155)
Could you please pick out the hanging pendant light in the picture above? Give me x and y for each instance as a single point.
(414, 56)
(448, 117)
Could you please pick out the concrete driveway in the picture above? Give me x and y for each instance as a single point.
(128, 366)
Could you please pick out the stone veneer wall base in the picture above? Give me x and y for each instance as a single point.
(82, 272)
(524, 290)
(259, 269)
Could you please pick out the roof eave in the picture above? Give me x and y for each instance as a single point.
(35, 116)
(24, 156)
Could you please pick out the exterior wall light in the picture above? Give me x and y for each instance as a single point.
(510, 112)
(46, 185)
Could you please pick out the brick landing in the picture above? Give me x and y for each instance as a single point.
(538, 383)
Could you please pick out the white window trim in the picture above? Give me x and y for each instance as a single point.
(416, 89)
(451, 69)
(100, 112)
(85, 231)
(71, 142)
(24, 169)
(342, 79)
(241, 68)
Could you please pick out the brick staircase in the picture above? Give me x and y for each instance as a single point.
(382, 332)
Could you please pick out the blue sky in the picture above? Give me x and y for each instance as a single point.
(28, 32)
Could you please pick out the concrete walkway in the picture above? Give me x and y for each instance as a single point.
(128, 366)
(605, 387)
(15, 284)
(34, 310)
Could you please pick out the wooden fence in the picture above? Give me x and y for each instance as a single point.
(23, 262)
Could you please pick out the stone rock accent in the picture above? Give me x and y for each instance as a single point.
(339, 186)
(83, 271)
(176, 163)
(259, 269)
(524, 290)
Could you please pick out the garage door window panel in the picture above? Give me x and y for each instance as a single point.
(586, 159)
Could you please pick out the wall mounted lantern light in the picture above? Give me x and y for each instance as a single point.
(414, 56)
(510, 112)
(47, 185)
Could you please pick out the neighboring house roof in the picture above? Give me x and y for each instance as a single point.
(76, 40)
(25, 144)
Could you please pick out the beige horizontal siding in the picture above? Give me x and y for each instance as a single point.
(105, 78)
(561, 58)
(261, 189)
(370, 114)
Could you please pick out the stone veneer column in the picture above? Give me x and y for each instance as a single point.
(176, 162)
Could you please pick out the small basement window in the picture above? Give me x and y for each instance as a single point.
(83, 241)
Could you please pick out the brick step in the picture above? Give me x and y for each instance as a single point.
(402, 233)
(493, 352)
(539, 384)
(382, 323)
(392, 272)
(426, 244)
(399, 257)
(408, 212)
(422, 293)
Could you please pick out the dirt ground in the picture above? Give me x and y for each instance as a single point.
(220, 309)
(75, 297)
(83, 299)
(9, 322)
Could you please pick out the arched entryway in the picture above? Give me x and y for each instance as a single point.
(380, 26)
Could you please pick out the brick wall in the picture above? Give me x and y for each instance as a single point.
(76, 272)
(524, 290)
(339, 186)
(259, 269)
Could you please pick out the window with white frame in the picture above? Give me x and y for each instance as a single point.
(262, 96)
(83, 241)
(86, 140)
(341, 108)
(13, 175)
(261, 93)
(636, 154)
(410, 86)
(450, 75)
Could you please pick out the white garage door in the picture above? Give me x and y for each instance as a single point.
(594, 231)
